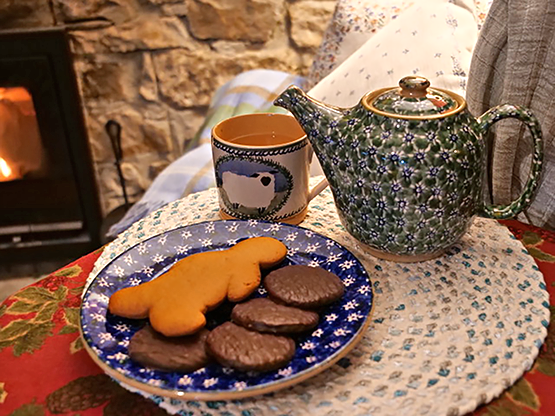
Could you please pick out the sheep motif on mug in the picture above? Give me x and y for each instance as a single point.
(254, 191)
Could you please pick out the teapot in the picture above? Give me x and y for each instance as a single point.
(406, 165)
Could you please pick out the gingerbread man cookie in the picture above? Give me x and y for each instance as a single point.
(176, 301)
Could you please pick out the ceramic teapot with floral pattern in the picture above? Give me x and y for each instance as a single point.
(406, 165)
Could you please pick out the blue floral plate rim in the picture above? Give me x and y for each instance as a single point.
(354, 292)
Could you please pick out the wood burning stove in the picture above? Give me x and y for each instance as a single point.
(48, 198)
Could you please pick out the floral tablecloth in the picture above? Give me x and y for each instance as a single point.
(45, 370)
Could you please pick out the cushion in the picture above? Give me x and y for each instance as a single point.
(352, 24)
(433, 38)
(481, 11)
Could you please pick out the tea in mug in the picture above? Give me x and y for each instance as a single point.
(263, 139)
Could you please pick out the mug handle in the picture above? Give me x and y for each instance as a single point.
(319, 187)
(485, 121)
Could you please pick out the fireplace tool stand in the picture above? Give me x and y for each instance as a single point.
(113, 129)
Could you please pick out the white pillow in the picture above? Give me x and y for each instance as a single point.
(482, 9)
(352, 24)
(434, 39)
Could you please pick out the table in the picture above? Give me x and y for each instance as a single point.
(45, 370)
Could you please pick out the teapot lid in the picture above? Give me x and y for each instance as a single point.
(414, 99)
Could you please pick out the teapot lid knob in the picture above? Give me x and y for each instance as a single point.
(413, 99)
(414, 86)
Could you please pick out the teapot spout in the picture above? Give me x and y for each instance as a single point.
(310, 113)
(317, 120)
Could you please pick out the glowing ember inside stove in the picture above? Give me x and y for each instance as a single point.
(5, 171)
(21, 149)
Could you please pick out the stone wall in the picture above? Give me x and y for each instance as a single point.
(153, 66)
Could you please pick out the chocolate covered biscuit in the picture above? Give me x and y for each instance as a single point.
(152, 349)
(264, 315)
(239, 348)
(303, 286)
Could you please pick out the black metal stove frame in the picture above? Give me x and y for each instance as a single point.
(59, 214)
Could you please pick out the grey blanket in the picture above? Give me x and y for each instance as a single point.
(514, 62)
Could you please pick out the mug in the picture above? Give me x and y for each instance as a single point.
(262, 163)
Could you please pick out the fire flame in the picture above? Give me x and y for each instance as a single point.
(5, 170)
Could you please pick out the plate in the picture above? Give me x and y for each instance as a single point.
(341, 325)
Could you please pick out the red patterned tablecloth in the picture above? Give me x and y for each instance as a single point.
(44, 369)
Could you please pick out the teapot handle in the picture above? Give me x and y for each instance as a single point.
(484, 123)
